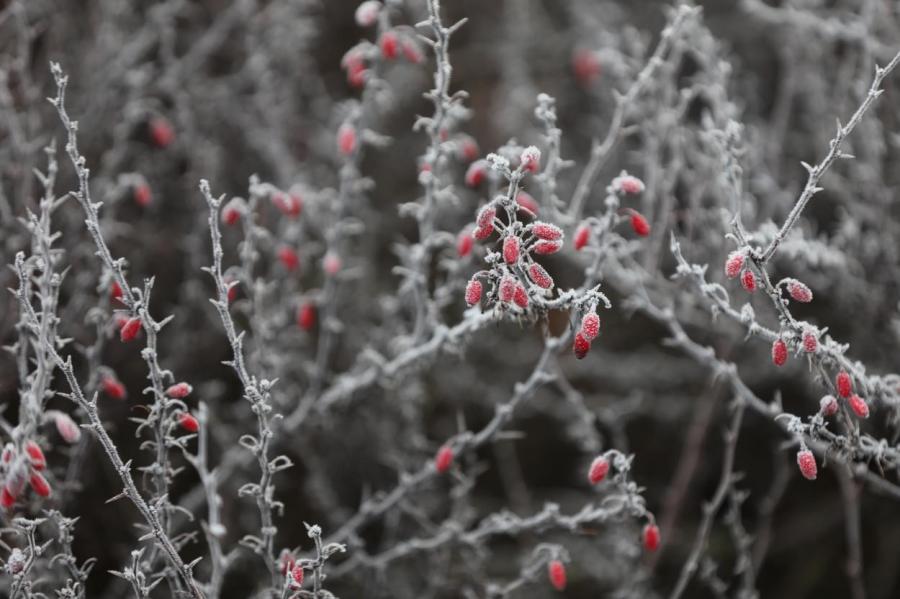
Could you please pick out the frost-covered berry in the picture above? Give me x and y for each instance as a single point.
(467, 149)
(476, 173)
(581, 346)
(66, 427)
(546, 231)
(290, 204)
(388, 43)
(799, 291)
(233, 211)
(598, 470)
(779, 352)
(482, 233)
(807, 463)
(651, 537)
(130, 329)
(286, 561)
(188, 422)
(734, 264)
(35, 455)
(179, 390)
(473, 292)
(16, 561)
(346, 139)
(530, 159)
(556, 571)
(142, 195)
(639, 223)
(590, 326)
(507, 289)
(306, 316)
(859, 406)
(539, 276)
(288, 257)
(828, 406)
(545, 247)
(464, 244)
(485, 219)
(520, 296)
(582, 236)
(161, 132)
(844, 384)
(748, 280)
(585, 66)
(366, 13)
(527, 203)
(331, 264)
(810, 342)
(39, 484)
(443, 459)
(112, 387)
(297, 576)
(628, 184)
(511, 249)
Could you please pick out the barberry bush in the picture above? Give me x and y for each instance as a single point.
(411, 298)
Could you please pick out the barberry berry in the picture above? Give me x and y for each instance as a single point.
(443, 459)
(581, 346)
(734, 264)
(598, 470)
(807, 463)
(556, 571)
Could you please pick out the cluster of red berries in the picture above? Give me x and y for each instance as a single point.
(590, 329)
(22, 468)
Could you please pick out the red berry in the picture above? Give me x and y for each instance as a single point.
(545, 248)
(161, 132)
(113, 387)
(734, 264)
(67, 428)
(748, 280)
(288, 258)
(188, 422)
(179, 390)
(810, 342)
(35, 455)
(443, 459)
(7, 499)
(115, 291)
(142, 195)
(581, 346)
(288, 203)
(346, 139)
(779, 352)
(520, 296)
(485, 219)
(582, 236)
(331, 264)
(651, 537)
(599, 469)
(859, 406)
(828, 405)
(306, 316)
(807, 463)
(130, 329)
(233, 211)
(473, 292)
(546, 231)
(39, 484)
(388, 45)
(511, 249)
(799, 291)
(476, 173)
(590, 326)
(507, 289)
(356, 70)
(628, 184)
(527, 203)
(464, 244)
(844, 384)
(639, 223)
(530, 159)
(540, 277)
(297, 576)
(367, 13)
(586, 66)
(411, 51)
(482, 233)
(557, 573)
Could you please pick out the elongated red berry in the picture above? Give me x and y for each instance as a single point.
(188, 422)
(581, 346)
(39, 484)
(297, 576)
(859, 406)
(507, 289)
(476, 173)
(556, 571)
(748, 280)
(115, 291)
(531, 159)
(639, 223)
(546, 231)
(511, 249)
(598, 470)
(799, 292)
(388, 43)
(473, 292)
(233, 211)
(290, 204)
(112, 387)
(828, 405)
(844, 384)
(628, 184)
(582, 236)
(179, 390)
(464, 244)
(545, 248)
(35, 455)
(142, 195)
(734, 264)
(161, 132)
(485, 218)
(7, 499)
(651, 537)
(590, 326)
(66, 427)
(810, 342)
(807, 463)
(346, 139)
(527, 203)
(443, 459)
(288, 257)
(482, 233)
(585, 66)
(355, 65)
(130, 329)
(520, 296)
(779, 352)
(306, 316)
(539, 276)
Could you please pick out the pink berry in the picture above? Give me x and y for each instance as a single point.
(464, 244)
(807, 463)
(531, 159)
(844, 384)
(179, 390)
(734, 264)
(546, 231)
(113, 387)
(628, 184)
(161, 132)
(828, 405)
(306, 316)
(367, 13)
(233, 211)
(482, 233)
(639, 224)
(582, 236)
(331, 264)
(545, 248)
(39, 484)
(388, 44)
(556, 571)
(35, 455)
(356, 70)
(297, 576)
(748, 280)
(288, 257)
(586, 66)
(581, 346)
(527, 203)
(130, 329)
(540, 277)
(143, 195)
(590, 326)
(476, 173)
(67, 428)
(799, 291)
(411, 50)
(651, 537)
(467, 149)
(779, 352)
(520, 296)
(507, 289)
(810, 342)
(511, 249)
(443, 459)
(599, 469)
(473, 292)
(346, 139)
(859, 406)
(188, 423)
